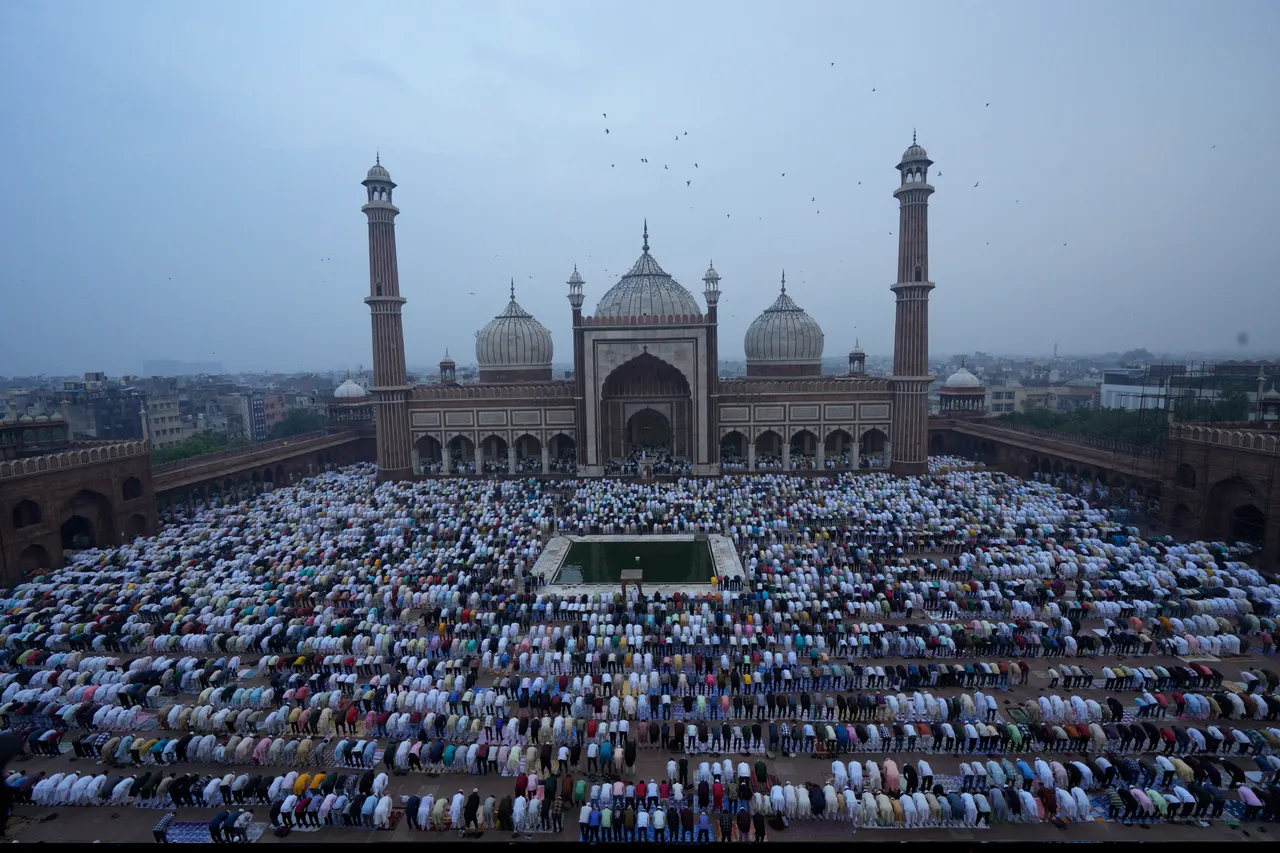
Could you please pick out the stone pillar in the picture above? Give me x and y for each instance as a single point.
(888, 453)
(546, 459)
(479, 457)
(417, 463)
(786, 456)
(751, 456)
(853, 456)
(511, 458)
(822, 455)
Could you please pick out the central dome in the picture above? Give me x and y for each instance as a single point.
(647, 290)
(784, 340)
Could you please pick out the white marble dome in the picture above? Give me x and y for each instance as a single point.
(350, 390)
(514, 339)
(962, 378)
(784, 334)
(647, 290)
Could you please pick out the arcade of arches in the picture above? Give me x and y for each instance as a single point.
(803, 451)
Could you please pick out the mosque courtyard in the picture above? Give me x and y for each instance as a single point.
(414, 655)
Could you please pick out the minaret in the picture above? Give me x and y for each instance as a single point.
(711, 291)
(390, 388)
(911, 378)
(576, 298)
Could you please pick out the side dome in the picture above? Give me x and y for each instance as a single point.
(647, 290)
(514, 346)
(350, 390)
(784, 340)
(962, 378)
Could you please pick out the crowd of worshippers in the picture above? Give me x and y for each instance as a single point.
(316, 625)
(647, 460)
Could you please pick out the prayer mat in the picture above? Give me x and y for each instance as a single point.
(197, 832)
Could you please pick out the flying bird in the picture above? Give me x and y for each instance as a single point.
(939, 174)
(988, 104)
(784, 174)
(677, 137)
(873, 88)
(611, 165)
(606, 130)
(833, 65)
(606, 115)
(686, 183)
(695, 165)
(975, 183)
(815, 198)
(686, 133)
(664, 167)
(859, 183)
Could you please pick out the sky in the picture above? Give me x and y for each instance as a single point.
(182, 180)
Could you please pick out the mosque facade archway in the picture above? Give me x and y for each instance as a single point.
(646, 403)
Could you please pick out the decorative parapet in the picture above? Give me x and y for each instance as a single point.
(86, 454)
(745, 389)
(246, 450)
(1260, 440)
(494, 391)
(646, 320)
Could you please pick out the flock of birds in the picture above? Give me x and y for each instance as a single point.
(689, 181)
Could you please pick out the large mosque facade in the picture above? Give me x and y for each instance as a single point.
(644, 384)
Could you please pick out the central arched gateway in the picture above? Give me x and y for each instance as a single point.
(646, 403)
(649, 428)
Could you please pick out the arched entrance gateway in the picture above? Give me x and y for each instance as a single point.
(649, 428)
(1233, 513)
(87, 522)
(646, 405)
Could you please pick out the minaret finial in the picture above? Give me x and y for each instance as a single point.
(784, 281)
(377, 157)
(513, 288)
(913, 136)
(446, 352)
(645, 247)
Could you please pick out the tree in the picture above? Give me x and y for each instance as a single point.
(1144, 428)
(1136, 356)
(198, 445)
(297, 422)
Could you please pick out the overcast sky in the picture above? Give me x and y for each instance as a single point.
(182, 180)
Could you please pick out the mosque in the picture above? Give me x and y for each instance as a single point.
(644, 384)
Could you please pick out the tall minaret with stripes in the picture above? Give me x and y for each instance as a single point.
(910, 381)
(390, 383)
